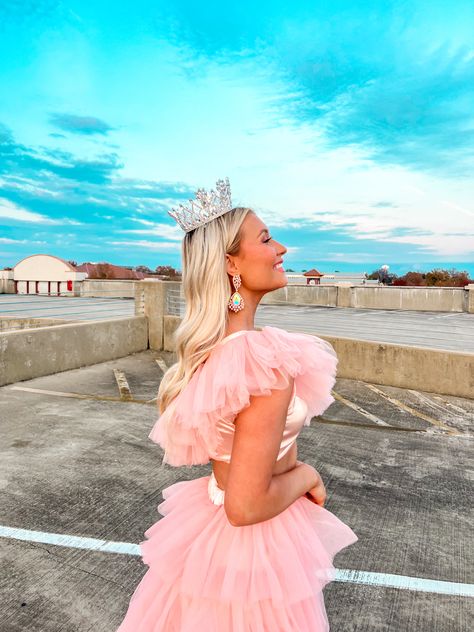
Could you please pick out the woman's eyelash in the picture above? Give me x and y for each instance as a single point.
(265, 240)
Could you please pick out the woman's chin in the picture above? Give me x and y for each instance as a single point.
(282, 280)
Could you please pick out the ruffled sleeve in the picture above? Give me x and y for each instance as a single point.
(253, 363)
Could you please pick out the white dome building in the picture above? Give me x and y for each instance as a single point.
(47, 275)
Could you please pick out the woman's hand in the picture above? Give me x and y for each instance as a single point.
(317, 493)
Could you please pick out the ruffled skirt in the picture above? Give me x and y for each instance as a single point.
(206, 575)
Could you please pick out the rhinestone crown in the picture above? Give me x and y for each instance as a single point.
(206, 207)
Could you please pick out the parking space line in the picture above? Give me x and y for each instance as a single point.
(71, 541)
(451, 405)
(359, 409)
(357, 424)
(413, 411)
(162, 364)
(105, 398)
(368, 578)
(404, 582)
(437, 405)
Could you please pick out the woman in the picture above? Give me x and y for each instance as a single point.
(249, 547)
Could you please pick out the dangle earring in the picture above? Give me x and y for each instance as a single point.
(236, 301)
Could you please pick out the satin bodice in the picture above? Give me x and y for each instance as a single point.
(297, 412)
(296, 415)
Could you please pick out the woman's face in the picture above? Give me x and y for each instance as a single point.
(259, 261)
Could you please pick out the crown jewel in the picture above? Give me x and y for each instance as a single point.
(206, 207)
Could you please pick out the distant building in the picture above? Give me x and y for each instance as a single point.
(53, 276)
(45, 274)
(313, 277)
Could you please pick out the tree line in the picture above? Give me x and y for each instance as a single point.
(437, 277)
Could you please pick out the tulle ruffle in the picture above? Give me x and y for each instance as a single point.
(249, 364)
(207, 575)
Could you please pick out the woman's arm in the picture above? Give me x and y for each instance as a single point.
(253, 493)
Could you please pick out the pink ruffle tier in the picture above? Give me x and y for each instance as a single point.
(245, 365)
(206, 575)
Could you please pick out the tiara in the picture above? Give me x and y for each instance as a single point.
(206, 207)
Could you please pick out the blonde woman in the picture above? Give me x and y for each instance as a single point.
(249, 547)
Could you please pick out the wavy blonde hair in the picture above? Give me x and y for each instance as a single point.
(207, 289)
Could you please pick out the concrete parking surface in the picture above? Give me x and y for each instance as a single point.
(75, 460)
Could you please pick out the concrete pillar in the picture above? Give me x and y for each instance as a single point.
(470, 298)
(77, 288)
(150, 301)
(344, 296)
(7, 284)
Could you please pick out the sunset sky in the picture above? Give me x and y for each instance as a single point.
(348, 126)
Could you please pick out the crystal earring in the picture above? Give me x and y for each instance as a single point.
(236, 301)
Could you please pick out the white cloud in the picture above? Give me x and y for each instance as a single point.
(10, 210)
(166, 231)
(13, 211)
(441, 244)
(153, 245)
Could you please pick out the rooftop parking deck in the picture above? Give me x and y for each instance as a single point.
(81, 482)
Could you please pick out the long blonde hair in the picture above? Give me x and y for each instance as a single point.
(207, 289)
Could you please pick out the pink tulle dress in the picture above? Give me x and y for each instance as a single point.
(206, 575)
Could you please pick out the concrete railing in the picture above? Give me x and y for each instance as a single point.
(419, 368)
(431, 299)
(107, 288)
(32, 353)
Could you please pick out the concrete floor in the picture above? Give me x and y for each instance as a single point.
(75, 460)
(70, 308)
(452, 331)
(439, 330)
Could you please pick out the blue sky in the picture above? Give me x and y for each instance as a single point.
(349, 127)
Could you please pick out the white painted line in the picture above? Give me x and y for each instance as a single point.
(451, 405)
(368, 578)
(42, 391)
(412, 411)
(404, 582)
(161, 363)
(438, 405)
(98, 398)
(72, 541)
(359, 409)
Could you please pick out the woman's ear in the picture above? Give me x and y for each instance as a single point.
(231, 267)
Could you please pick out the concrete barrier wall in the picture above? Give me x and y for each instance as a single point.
(433, 299)
(35, 352)
(322, 295)
(107, 288)
(419, 368)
